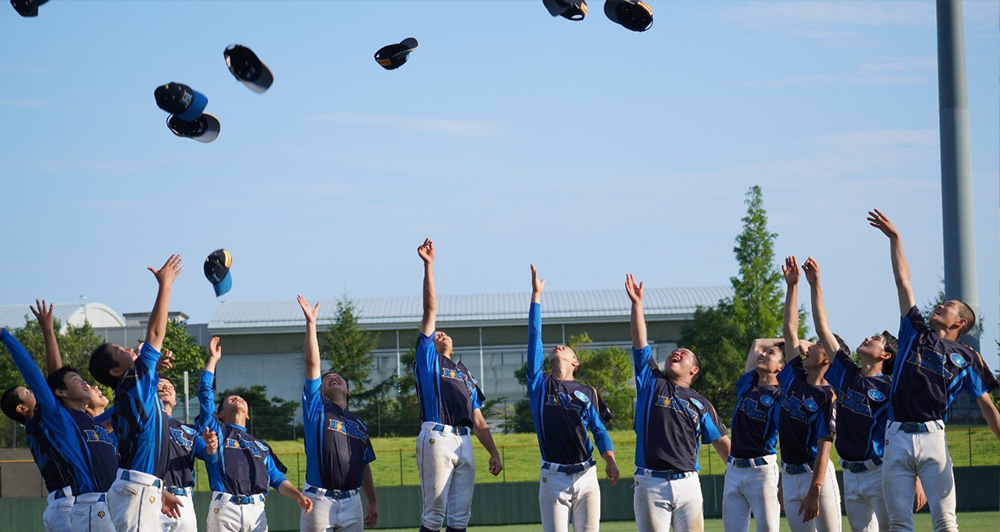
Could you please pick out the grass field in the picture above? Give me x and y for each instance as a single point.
(396, 462)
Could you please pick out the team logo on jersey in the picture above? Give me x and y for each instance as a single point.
(677, 404)
(810, 404)
(958, 360)
(178, 436)
(243, 445)
(189, 430)
(561, 400)
(929, 360)
(697, 403)
(793, 405)
(581, 396)
(98, 435)
(876, 395)
(262, 446)
(347, 427)
(766, 400)
(855, 402)
(749, 406)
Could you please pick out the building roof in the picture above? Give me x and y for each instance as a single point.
(475, 309)
(98, 314)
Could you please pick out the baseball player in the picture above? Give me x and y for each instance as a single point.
(806, 426)
(136, 497)
(563, 410)
(670, 420)
(338, 451)
(752, 472)
(184, 446)
(240, 473)
(933, 366)
(86, 449)
(450, 400)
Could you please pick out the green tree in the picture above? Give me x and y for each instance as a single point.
(270, 419)
(348, 347)
(188, 355)
(391, 408)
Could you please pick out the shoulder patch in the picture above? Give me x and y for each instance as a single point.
(188, 429)
(581, 396)
(958, 360)
(810, 404)
(697, 403)
(876, 395)
(766, 400)
(262, 446)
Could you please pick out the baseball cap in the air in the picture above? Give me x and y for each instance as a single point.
(571, 9)
(205, 128)
(27, 8)
(635, 15)
(248, 68)
(394, 56)
(217, 271)
(180, 100)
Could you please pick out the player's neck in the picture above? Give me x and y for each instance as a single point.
(169, 409)
(75, 405)
(562, 373)
(447, 354)
(871, 368)
(94, 412)
(683, 383)
(766, 378)
(815, 376)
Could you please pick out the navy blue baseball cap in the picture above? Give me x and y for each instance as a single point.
(570, 9)
(205, 128)
(248, 68)
(217, 271)
(635, 15)
(27, 8)
(394, 56)
(180, 100)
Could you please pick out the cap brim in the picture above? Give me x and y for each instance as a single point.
(409, 44)
(262, 83)
(197, 107)
(223, 286)
(212, 132)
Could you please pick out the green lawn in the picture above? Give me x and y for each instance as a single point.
(397, 463)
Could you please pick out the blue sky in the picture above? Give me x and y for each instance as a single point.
(510, 137)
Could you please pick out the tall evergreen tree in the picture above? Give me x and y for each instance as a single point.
(348, 347)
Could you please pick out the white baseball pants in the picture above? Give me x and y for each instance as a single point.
(751, 489)
(58, 516)
(226, 516)
(566, 496)
(91, 514)
(135, 503)
(329, 514)
(188, 522)
(661, 505)
(447, 476)
(794, 488)
(923, 454)
(864, 501)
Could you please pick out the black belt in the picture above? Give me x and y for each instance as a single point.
(748, 462)
(177, 490)
(571, 468)
(861, 467)
(796, 469)
(666, 475)
(333, 494)
(911, 427)
(241, 499)
(461, 431)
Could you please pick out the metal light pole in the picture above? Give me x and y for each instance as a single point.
(956, 166)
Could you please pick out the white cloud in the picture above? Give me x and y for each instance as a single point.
(446, 126)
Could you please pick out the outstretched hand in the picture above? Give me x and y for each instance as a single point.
(879, 221)
(426, 251)
(166, 362)
(811, 269)
(170, 270)
(537, 285)
(211, 441)
(790, 269)
(214, 349)
(43, 314)
(310, 312)
(634, 290)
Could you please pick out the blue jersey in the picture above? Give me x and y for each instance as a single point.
(446, 390)
(671, 422)
(930, 371)
(243, 465)
(337, 444)
(755, 418)
(862, 408)
(86, 449)
(139, 420)
(562, 410)
(807, 414)
(184, 446)
(46, 456)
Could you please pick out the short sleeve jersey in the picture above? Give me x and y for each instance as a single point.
(184, 445)
(930, 371)
(447, 392)
(862, 408)
(755, 418)
(807, 414)
(139, 419)
(671, 421)
(46, 457)
(336, 441)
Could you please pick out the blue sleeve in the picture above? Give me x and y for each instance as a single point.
(32, 375)
(535, 355)
(104, 417)
(711, 428)
(745, 382)
(788, 373)
(369, 452)
(601, 436)
(206, 401)
(146, 377)
(275, 477)
(427, 361)
(979, 379)
(827, 417)
(643, 373)
(478, 397)
(840, 365)
(199, 448)
(312, 400)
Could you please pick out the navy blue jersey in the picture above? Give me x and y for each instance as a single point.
(87, 450)
(807, 414)
(671, 422)
(184, 446)
(562, 410)
(337, 444)
(139, 420)
(46, 457)
(755, 419)
(446, 389)
(243, 465)
(862, 408)
(930, 371)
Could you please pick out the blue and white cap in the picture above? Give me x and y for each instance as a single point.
(181, 101)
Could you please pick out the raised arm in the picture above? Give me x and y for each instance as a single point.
(46, 322)
(638, 320)
(535, 352)
(426, 252)
(32, 375)
(790, 325)
(206, 392)
(165, 277)
(758, 347)
(310, 346)
(826, 337)
(900, 268)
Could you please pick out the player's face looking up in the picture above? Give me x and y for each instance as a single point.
(97, 398)
(816, 356)
(23, 403)
(950, 315)
(873, 348)
(233, 409)
(771, 360)
(77, 389)
(165, 390)
(334, 386)
(682, 365)
(442, 343)
(563, 356)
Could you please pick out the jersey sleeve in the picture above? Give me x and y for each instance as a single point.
(643, 373)
(841, 368)
(29, 371)
(146, 377)
(478, 397)
(206, 402)
(536, 357)
(911, 325)
(369, 451)
(789, 373)
(597, 428)
(744, 382)
(274, 475)
(979, 379)
(827, 421)
(710, 427)
(312, 400)
(426, 367)
(200, 450)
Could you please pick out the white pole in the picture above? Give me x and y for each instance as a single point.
(481, 374)
(187, 400)
(399, 372)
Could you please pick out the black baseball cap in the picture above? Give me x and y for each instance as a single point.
(394, 56)
(27, 8)
(180, 100)
(571, 9)
(635, 15)
(248, 68)
(205, 128)
(217, 271)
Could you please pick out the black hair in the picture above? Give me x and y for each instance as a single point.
(57, 379)
(891, 343)
(102, 361)
(841, 343)
(168, 379)
(9, 403)
(966, 312)
(697, 364)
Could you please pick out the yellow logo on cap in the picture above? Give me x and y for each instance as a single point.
(229, 259)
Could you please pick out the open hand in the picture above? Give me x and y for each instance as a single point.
(879, 221)
(166, 362)
(426, 251)
(214, 349)
(170, 270)
(634, 290)
(170, 505)
(537, 285)
(211, 441)
(811, 269)
(790, 269)
(809, 509)
(43, 314)
(311, 313)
